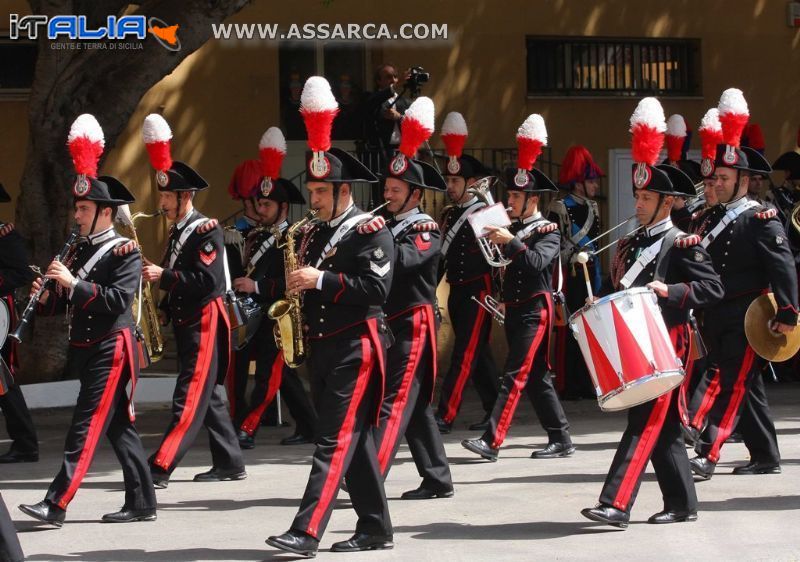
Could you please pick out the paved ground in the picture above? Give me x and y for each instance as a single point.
(516, 508)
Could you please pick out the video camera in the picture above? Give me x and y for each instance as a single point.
(417, 77)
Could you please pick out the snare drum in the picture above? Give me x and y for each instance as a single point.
(627, 348)
(5, 321)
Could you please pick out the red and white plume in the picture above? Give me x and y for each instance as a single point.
(454, 135)
(417, 126)
(271, 150)
(531, 137)
(157, 137)
(648, 126)
(733, 116)
(318, 108)
(710, 131)
(86, 143)
(676, 137)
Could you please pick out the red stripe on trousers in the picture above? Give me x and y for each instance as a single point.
(208, 339)
(390, 435)
(96, 424)
(739, 390)
(709, 398)
(519, 383)
(683, 408)
(466, 363)
(643, 451)
(343, 439)
(251, 422)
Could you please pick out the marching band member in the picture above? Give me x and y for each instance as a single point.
(409, 308)
(579, 222)
(751, 252)
(532, 243)
(264, 279)
(677, 268)
(193, 275)
(469, 276)
(96, 284)
(14, 273)
(345, 280)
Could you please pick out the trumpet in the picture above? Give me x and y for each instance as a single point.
(491, 251)
(492, 306)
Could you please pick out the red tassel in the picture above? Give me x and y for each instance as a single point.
(674, 147)
(647, 143)
(732, 126)
(528, 150)
(454, 144)
(160, 156)
(85, 155)
(271, 161)
(412, 135)
(318, 126)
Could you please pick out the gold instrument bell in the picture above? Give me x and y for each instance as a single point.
(770, 345)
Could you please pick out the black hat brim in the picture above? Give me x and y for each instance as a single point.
(107, 190)
(469, 167)
(682, 184)
(788, 162)
(4, 196)
(293, 193)
(353, 170)
(183, 177)
(757, 164)
(540, 184)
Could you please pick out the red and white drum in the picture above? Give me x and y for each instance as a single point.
(627, 349)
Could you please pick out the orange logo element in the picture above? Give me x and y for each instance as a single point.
(168, 34)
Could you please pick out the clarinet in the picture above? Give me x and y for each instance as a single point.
(30, 309)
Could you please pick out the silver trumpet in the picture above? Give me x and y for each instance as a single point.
(491, 305)
(491, 251)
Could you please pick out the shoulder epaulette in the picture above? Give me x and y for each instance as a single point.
(372, 225)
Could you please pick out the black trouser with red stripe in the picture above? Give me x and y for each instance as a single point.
(406, 408)
(732, 386)
(10, 549)
(19, 423)
(104, 370)
(653, 434)
(198, 398)
(527, 329)
(346, 383)
(472, 354)
(271, 374)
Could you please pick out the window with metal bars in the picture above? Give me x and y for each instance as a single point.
(613, 66)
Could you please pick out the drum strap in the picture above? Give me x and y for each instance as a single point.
(662, 262)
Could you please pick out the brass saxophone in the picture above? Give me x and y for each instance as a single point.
(145, 312)
(287, 312)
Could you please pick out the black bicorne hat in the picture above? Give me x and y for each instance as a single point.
(180, 177)
(337, 166)
(789, 162)
(281, 191)
(105, 190)
(465, 166)
(680, 182)
(4, 196)
(537, 181)
(417, 173)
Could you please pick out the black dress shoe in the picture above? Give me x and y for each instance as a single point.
(702, 467)
(295, 439)
(607, 514)
(734, 438)
(757, 467)
(482, 425)
(444, 427)
(363, 541)
(554, 451)
(45, 511)
(423, 493)
(296, 542)
(19, 456)
(128, 515)
(220, 474)
(669, 516)
(480, 447)
(246, 441)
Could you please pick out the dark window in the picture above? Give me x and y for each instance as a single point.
(343, 64)
(605, 66)
(17, 63)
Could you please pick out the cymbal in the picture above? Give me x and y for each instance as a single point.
(770, 345)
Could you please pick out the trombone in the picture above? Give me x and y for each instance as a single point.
(491, 251)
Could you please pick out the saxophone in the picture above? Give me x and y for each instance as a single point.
(145, 309)
(287, 312)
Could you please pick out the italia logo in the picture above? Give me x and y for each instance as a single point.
(642, 175)
(319, 166)
(162, 178)
(521, 178)
(453, 165)
(730, 156)
(82, 186)
(398, 165)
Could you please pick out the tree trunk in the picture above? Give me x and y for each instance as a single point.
(109, 85)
